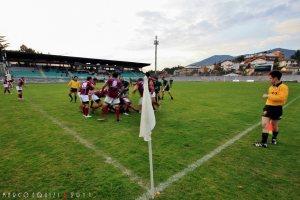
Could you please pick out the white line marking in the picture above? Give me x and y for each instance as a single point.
(89, 145)
(162, 186)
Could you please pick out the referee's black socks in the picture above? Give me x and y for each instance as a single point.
(264, 138)
(71, 98)
(275, 133)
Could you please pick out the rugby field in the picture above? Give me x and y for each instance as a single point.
(47, 147)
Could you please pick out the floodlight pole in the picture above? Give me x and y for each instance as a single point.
(156, 42)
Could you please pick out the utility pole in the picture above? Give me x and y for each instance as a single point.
(156, 43)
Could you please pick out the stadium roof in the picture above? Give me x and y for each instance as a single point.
(17, 56)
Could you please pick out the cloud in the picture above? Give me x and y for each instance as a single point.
(291, 26)
(207, 27)
(188, 30)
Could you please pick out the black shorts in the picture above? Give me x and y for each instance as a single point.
(97, 101)
(73, 90)
(272, 112)
(86, 103)
(167, 89)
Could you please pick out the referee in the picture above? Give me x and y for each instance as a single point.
(74, 84)
(276, 98)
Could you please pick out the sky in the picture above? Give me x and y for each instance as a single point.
(188, 30)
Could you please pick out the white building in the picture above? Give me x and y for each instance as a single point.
(236, 66)
(291, 62)
(283, 63)
(227, 65)
(259, 61)
(211, 67)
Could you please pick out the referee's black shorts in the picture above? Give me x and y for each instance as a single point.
(272, 112)
(73, 90)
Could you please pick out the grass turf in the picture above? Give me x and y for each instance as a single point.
(38, 156)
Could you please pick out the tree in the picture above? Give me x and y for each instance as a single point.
(152, 72)
(240, 58)
(172, 69)
(276, 64)
(218, 69)
(205, 70)
(296, 56)
(3, 43)
(167, 70)
(25, 49)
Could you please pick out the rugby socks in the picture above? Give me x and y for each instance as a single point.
(275, 133)
(117, 111)
(104, 110)
(264, 138)
(83, 110)
(75, 96)
(87, 111)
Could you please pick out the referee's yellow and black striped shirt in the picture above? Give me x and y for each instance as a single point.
(277, 94)
(74, 84)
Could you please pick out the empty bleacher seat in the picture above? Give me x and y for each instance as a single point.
(25, 72)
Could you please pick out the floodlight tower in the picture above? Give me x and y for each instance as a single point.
(156, 42)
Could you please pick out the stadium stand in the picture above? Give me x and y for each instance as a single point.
(40, 73)
(2, 69)
(55, 73)
(81, 74)
(56, 68)
(25, 72)
(132, 74)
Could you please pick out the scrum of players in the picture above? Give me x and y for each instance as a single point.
(113, 96)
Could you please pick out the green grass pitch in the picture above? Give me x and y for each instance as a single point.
(37, 155)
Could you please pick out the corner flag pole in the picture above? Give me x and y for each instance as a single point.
(151, 169)
(146, 126)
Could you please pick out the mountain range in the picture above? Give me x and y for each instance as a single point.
(220, 58)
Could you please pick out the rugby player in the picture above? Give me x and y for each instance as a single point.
(112, 98)
(166, 88)
(276, 98)
(74, 84)
(96, 99)
(171, 82)
(6, 85)
(125, 85)
(11, 84)
(157, 88)
(125, 103)
(85, 87)
(151, 86)
(19, 87)
(139, 86)
(93, 98)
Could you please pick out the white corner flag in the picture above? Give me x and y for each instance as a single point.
(147, 116)
(146, 126)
